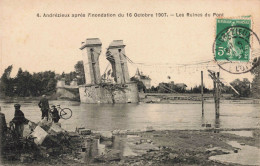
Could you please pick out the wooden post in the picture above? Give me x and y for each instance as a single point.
(215, 94)
(218, 94)
(202, 99)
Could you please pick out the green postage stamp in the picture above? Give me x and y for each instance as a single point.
(233, 40)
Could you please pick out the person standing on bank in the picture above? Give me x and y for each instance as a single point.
(3, 127)
(44, 105)
(3, 130)
(19, 120)
(55, 114)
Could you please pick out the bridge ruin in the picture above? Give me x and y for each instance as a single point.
(97, 91)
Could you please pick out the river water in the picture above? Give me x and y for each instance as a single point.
(140, 116)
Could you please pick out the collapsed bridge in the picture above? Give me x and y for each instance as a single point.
(97, 91)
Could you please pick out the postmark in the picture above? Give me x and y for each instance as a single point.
(236, 46)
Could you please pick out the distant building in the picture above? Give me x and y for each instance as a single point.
(145, 79)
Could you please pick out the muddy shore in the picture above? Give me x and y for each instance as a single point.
(168, 147)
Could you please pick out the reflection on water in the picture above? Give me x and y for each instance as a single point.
(217, 122)
(139, 116)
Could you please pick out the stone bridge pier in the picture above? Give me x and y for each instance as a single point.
(94, 91)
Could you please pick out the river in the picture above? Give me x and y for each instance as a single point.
(139, 116)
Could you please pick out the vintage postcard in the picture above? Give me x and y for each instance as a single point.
(123, 82)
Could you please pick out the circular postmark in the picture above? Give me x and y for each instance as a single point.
(236, 49)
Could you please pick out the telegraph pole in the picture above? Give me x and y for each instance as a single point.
(217, 84)
(215, 94)
(202, 99)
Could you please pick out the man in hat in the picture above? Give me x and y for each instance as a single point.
(55, 114)
(44, 105)
(19, 120)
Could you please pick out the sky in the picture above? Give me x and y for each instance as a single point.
(159, 43)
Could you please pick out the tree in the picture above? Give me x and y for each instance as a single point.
(243, 87)
(179, 88)
(37, 87)
(23, 83)
(27, 84)
(69, 77)
(227, 89)
(154, 89)
(256, 80)
(48, 82)
(6, 84)
(197, 89)
(80, 74)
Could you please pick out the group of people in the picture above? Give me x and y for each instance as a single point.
(19, 119)
(45, 108)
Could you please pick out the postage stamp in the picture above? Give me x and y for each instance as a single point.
(233, 47)
(233, 40)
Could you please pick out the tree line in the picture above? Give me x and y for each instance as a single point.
(243, 87)
(26, 84)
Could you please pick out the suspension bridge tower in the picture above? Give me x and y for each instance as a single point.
(96, 91)
(91, 50)
(116, 56)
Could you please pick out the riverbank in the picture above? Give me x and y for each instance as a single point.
(195, 98)
(167, 147)
(13, 99)
(163, 98)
